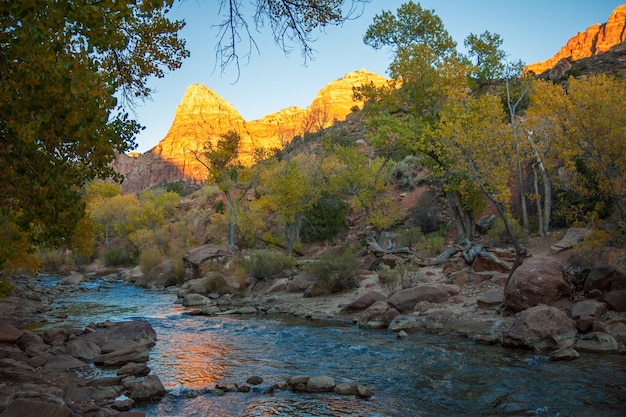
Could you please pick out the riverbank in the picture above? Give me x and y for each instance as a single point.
(554, 303)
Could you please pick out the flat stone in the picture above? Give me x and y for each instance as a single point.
(491, 298)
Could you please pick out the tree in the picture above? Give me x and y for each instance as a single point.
(478, 140)
(584, 125)
(65, 72)
(290, 22)
(426, 72)
(221, 160)
(485, 48)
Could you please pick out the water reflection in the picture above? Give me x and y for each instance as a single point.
(424, 375)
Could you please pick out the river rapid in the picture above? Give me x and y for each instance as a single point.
(423, 375)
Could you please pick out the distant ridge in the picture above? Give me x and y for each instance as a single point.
(203, 114)
(597, 39)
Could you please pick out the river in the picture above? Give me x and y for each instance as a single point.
(423, 375)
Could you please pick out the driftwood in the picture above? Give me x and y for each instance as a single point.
(469, 252)
(378, 250)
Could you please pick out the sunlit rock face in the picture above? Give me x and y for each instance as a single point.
(597, 39)
(204, 115)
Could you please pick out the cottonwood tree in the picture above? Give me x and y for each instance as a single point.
(584, 126)
(477, 138)
(65, 71)
(69, 73)
(426, 71)
(222, 162)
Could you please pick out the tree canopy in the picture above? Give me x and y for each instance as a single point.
(71, 72)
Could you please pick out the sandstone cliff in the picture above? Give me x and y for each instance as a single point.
(597, 39)
(204, 115)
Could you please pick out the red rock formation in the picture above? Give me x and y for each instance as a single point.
(203, 115)
(595, 40)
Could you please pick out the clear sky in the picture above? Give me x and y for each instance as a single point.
(532, 30)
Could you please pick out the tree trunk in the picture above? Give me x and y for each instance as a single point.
(231, 219)
(462, 218)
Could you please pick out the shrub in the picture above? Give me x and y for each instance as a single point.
(264, 264)
(119, 257)
(324, 220)
(150, 258)
(498, 233)
(56, 262)
(429, 244)
(6, 288)
(404, 275)
(337, 270)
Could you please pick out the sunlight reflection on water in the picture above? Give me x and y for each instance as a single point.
(424, 375)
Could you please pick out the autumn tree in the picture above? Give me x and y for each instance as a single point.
(65, 72)
(221, 161)
(426, 71)
(484, 50)
(584, 126)
(475, 133)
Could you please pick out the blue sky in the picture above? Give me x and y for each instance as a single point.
(532, 30)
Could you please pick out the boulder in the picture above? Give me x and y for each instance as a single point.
(135, 369)
(403, 322)
(617, 328)
(536, 281)
(193, 300)
(73, 278)
(147, 389)
(123, 332)
(55, 335)
(377, 316)
(301, 282)
(596, 342)
(485, 223)
(160, 276)
(346, 389)
(298, 382)
(587, 307)
(83, 349)
(572, 237)
(405, 300)
(205, 285)
(320, 383)
(25, 407)
(363, 302)
(64, 362)
(491, 298)
(603, 278)
(278, 285)
(541, 327)
(195, 258)
(616, 300)
(9, 333)
(564, 354)
(130, 352)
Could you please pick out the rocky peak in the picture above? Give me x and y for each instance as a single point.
(597, 39)
(204, 115)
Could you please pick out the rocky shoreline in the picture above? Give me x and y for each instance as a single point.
(45, 371)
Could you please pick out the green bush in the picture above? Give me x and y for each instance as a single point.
(119, 257)
(429, 244)
(56, 262)
(150, 258)
(405, 275)
(324, 220)
(498, 234)
(337, 270)
(264, 263)
(6, 288)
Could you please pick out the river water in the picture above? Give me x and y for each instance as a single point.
(423, 375)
